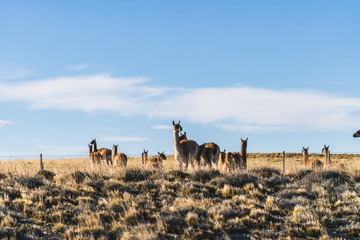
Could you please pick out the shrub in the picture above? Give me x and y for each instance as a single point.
(337, 178)
(238, 179)
(79, 177)
(176, 175)
(227, 192)
(59, 228)
(30, 182)
(174, 224)
(300, 174)
(192, 219)
(333, 177)
(135, 175)
(356, 177)
(313, 231)
(277, 182)
(266, 172)
(96, 185)
(203, 175)
(48, 175)
(3, 176)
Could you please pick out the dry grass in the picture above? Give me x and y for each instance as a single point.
(72, 199)
(294, 162)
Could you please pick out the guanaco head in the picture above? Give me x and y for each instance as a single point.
(115, 147)
(244, 141)
(145, 153)
(162, 156)
(93, 141)
(325, 149)
(357, 134)
(182, 136)
(305, 151)
(177, 127)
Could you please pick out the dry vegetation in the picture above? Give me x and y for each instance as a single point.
(73, 200)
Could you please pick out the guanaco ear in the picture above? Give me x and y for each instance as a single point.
(173, 123)
(246, 139)
(179, 122)
(307, 148)
(184, 133)
(158, 152)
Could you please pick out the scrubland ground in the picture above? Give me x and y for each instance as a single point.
(72, 199)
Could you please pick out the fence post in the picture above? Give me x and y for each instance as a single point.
(328, 158)
(283, 155)
(41, 162)
(142, 159)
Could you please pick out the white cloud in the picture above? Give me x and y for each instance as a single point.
(122, 139)
(4, 122)
(231, 108)
(14, 73)
(254, 109)
(78, 67)
(89, 93)
(162, 127)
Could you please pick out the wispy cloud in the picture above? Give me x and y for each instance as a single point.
(13, 73)
(231, 108)
(123, 139)
(162, 127)
(78, 67)
(87, 93)
(4, 122)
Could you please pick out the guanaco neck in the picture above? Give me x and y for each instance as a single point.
(305, 157)
(95, 147)
(90, 151)
(243, 150)
(115, 150)
(327, 157)
(176, 141)
(143, 158)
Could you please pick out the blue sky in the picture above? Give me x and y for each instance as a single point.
(285, 74)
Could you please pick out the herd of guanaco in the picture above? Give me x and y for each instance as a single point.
(104, 155)
(187, 152)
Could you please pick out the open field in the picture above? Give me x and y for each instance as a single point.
(72, 199)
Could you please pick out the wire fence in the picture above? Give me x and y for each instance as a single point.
(45, 156)
(75, 156)
(52, 156)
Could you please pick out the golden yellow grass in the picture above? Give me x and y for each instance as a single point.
(293, 162)
(86, 201)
